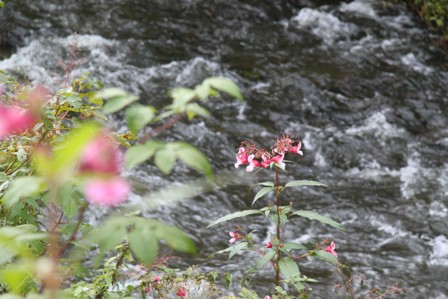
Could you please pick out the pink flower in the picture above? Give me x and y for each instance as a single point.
(101, 156)
(241, 157)
(269, 245)
(267, 297)
(157, 279)
(235, 237)
(279, 161)
(181, 292)
(14, 120)
(255, 163)
(107, 192)
(295, 149)
(331, 249)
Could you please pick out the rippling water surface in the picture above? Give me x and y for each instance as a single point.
(362, 84)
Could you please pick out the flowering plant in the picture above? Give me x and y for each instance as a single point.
(281, 254)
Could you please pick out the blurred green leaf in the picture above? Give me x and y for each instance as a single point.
(194, 158)
(288, 246)
(117, 99)
(181, 96)
(233, 216)
(304, 183)
(225, 85)
(202, 91)
(248, 294)
(144, 244)
(237, 248)
(316, 216)
(110, 233)
(23, 187)
(175, 238)
(195, 109)
(164, 159)
(138, 154)
(138, 116)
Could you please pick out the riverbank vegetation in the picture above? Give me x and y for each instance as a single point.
(434, 13)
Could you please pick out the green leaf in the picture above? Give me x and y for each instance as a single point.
(164, 159)
(71, 149)
(202, 91)
(289, 268)
(237, 248)
(175, 238)
(138, 116)
(266, 258)
(316, 216)
(225, 85)
(181, 96)
(326, 256)
(288, 246)
(117, 99)
(2, 4)
(194, 158)
(195, 109)
(110, 233)
(144, 244)
(262, 192)
(248, 294)
(22, 187)
(138, 154)
(233, 216)
(304, 183)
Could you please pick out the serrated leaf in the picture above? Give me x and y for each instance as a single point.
(316, 216)
(194, 158)
(289, 268)
(226, 85)
(288, 246)
(137, 116)
(233, 216)
(326, 256)
(266, 258)
(261, 193)
(304, 183)
(164, 160)
(248, 294)
(22, 187)
(237, 248)
(138, 154)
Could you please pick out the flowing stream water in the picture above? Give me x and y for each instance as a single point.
(361, 83)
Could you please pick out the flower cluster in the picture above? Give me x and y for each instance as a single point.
(248, 153)
(103, 159)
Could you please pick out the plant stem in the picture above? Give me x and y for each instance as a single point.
(277, 261)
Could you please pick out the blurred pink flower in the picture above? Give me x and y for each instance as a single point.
(157, 279)
(101, 156)
(269, 245)
(241, 157)
(235, 237)
(107, 192)
(181, 292)
(267, 297)
(295, 149)
(331, 249)
(14, 120)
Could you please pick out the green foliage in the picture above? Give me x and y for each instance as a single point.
(316, 216)
(233, 216)
(262, 192)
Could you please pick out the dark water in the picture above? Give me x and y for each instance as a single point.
(362, 84)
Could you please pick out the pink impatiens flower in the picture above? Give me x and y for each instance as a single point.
(295, 149)
(14, 120)
(108, 192)
(331, 249)
(267, 297)
(279, 161)
(235, 237)
(101, 156)
(157, 279)
(241, 157)
(269, 245)
(181, 292)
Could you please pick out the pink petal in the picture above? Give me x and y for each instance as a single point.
(107, 192)
(101, 156)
